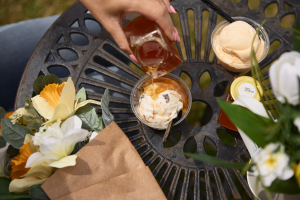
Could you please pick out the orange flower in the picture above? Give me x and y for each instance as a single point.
(19, 162)
(7, 115)
(52, 92)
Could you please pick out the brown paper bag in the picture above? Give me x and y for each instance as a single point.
(108, 159)
(130, 186)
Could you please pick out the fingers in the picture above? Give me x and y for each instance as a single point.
(170, 8)
(157, 11)
(116, 31)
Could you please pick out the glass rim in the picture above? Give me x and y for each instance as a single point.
(182, 83)
(245, 19)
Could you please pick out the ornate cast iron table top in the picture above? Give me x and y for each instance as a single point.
(78, 46)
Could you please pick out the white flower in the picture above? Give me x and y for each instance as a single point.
(284, 76)
(297, 123)
(57, 143)
(272, 165)
(3, 160)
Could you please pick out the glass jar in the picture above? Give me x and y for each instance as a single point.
(155, 52)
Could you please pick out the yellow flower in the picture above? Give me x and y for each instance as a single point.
(57, 101)
(36, 175)
(52, 92)
(23, 178)
(19, 162)
(296, 168)
(18, 117)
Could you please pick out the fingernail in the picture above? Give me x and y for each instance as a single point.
(178, 38)
(172, 9)
(175, 35)
(133, 58)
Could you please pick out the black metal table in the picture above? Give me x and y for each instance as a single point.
(91, 50)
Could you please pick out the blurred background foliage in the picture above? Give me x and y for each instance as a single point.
(12, 11)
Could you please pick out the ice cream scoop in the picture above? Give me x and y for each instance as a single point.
(159, 112)
(232, 44)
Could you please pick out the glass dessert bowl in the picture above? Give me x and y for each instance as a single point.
(232, 43)
(157, 104)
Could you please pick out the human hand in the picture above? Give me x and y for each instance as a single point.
(110, 13)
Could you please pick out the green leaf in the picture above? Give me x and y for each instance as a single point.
(37, 84)
(13, 196)
(37, 193)
(77, 147)
(296, 46)
(33, 126)
(81, 94)
(216, 161)
(2, 142)
(4, 184)
(89, 118)
(13, 134)
(2, 113)
(101, 126)
(289, 186)
(106, 115)
(253, 125)
(49, 79)
(12, 151)
(8, 166)
(30, 109)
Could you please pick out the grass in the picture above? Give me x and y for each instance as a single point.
(12, 11)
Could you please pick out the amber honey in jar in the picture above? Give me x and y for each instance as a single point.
(155, 52)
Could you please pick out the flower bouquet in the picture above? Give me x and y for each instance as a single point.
(45, 134)
(273, 124)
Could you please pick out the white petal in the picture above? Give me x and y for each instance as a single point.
(297, 123)
(267, 180)
(65, 162)
(50, 145)
(54, 130)
(81, 104)
(37, 138)
(33, 148)
(271, 147)
(283, 75)
(252, 104)
(41, 171)
(68, 95)
(38, 158)
(70, 139)
(273, 72)
(22, 185)
(73, 122)
(289, 84)
(3, 160)
(94, 134)
(286, 174)
(43, 107)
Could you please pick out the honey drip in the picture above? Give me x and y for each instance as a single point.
(156, 86)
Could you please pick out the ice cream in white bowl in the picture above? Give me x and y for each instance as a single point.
(157, 103)
(232, 43)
